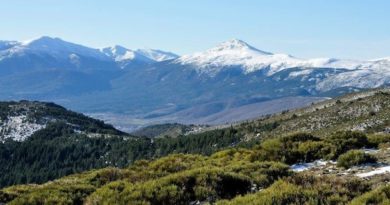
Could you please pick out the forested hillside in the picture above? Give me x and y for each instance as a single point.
(66, 142)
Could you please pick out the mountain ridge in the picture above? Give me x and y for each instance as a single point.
(190, 88)
(46, 42)
(60, 48)
(236, 52)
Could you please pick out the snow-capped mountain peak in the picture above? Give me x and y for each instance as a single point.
(236, 44)
(125, 56)
(119, 53)
(43, 41)
(236, 53)
(55, 47)
(122, 54)
(233, 44)
(157, 55)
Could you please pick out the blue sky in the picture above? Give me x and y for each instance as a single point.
(303, 28)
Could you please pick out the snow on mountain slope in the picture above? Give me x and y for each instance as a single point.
(8, 44)
(18, 128)
(54, 47)
(60, 49)
(234, 53)
(125, 56)
(20, 120)
(230, 54)
(119, 53)
(370, 74)
(237, 53)
(157, 55)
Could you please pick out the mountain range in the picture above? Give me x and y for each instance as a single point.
(130, 88)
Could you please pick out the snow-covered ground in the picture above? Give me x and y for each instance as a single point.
(18, 128)
(370, 150)
(310, 165)
(380, 170)
(329, 167)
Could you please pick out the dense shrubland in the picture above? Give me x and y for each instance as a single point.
(259, 175)
(378, 196)
(305, 189)
(303, 147)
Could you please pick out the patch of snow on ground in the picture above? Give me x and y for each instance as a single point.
(310, 165)
(18, 128)
(381, 170)
(370, 150)
(300, 73)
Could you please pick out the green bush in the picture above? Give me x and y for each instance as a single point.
(289, 149)
(262, 174)
(313, 150)
(377, 196)
(330, 189)
(353, 158)
(280, 192)
(378, 139)
(347, 140)
(231, 156)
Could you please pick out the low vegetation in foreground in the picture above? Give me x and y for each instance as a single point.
(259, 175)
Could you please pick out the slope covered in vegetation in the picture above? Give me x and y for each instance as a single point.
(66, 142)
(259, 175)
(365, 111)
(256, 170)
(166, 130)
(58, 151)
